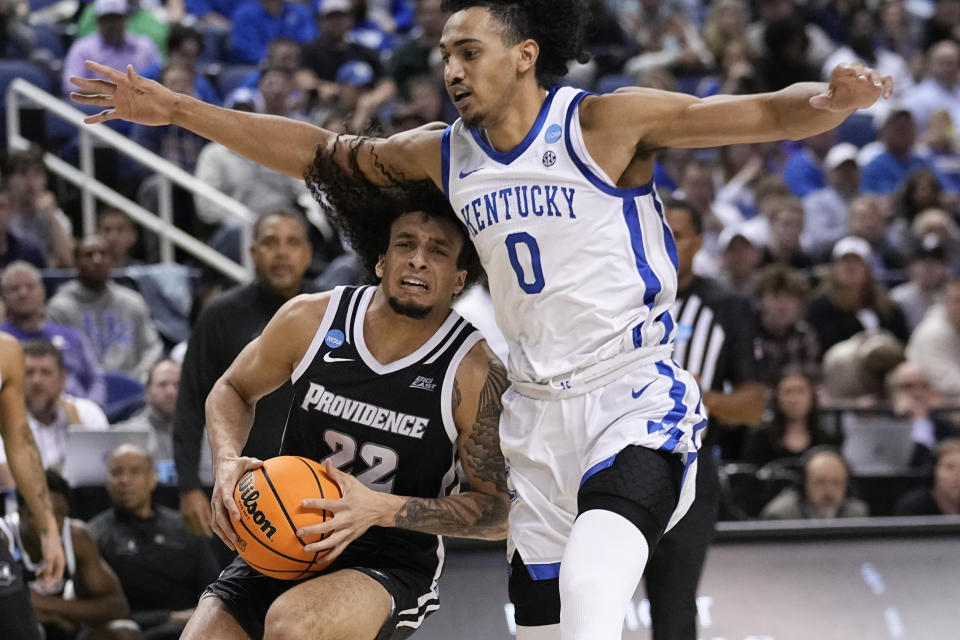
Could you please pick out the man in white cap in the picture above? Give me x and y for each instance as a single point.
(109, 45)
(826, 209)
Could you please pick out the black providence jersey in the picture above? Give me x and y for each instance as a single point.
(389, 425)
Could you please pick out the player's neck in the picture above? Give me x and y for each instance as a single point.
(391, 336)
(513, 126)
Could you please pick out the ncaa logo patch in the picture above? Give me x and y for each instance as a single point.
(334, 338)
(549, 159)
(553, 133)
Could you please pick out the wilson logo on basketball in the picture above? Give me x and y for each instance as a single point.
(249, 496)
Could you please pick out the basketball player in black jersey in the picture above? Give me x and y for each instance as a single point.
(391, 387)
(23, 459)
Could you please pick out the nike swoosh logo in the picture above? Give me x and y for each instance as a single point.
(637, 394)
(328, 358)
(464, 174)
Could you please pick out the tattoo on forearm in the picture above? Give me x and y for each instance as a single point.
(481, 454)
(468, 515)
(472, 514)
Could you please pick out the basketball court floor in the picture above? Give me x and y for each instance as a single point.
(874, 589)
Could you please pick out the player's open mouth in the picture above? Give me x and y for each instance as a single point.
(413, 283)
(459, 97)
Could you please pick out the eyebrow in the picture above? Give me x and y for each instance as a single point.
(460, 42)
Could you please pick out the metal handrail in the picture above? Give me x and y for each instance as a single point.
(83, 178)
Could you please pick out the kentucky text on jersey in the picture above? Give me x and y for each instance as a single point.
(551, 201)
(319, 399)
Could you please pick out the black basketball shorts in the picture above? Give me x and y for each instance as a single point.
(248, 594)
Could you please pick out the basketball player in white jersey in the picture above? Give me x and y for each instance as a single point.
(600, 428)
(23, 458)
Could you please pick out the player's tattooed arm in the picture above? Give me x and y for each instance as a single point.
(482, 511)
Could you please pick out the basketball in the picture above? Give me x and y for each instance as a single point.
(270, 514)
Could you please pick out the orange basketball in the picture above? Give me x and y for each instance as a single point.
(270, 514)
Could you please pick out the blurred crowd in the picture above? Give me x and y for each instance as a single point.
(843, 248)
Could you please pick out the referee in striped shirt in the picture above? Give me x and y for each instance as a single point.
(714, 341)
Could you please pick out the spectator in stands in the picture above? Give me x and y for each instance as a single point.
(141, 21)
(213, 13)
(920, 191)
(943, 24)
(51, 413)
(334, 59)
(935, 344)
(25, 299)
(818, 47)
(738, 73)
(184, 46)
(941, 224)
(823, 491)
(849, 300)
(607, 41)
(867, 221)
(787, 57)
(940, 88)
(741, 248)
(16, 36)
(281, 254)
(943, 497)
(162, 567)
(864, 47)
(256, 23)
(88, 602)
(826, 210)
(173, 143)
(939, 146)
(12, 246)
(786, 218)
(254, 185)
(804, 170)
(120, 235)
(794, 427)
(927, 271)
(419, 54)
(114, 318)
(156, 418)
(784, 340)
(727, 22)
(912, 398)
(898, 31)
(667, 40)
(110, 45)
(36, 215)
(889, 168)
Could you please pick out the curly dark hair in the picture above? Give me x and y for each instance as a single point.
(365, 212)
(557, 26)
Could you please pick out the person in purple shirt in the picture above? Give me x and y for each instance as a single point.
(23, 294)
(12, 246)
(256, 23)
(110, 45)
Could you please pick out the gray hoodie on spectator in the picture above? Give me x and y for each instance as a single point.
(116, 321)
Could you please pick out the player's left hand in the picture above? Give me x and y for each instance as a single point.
(853, 86)
(54, 561)
(359, 509)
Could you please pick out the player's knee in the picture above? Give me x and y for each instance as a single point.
(290, 623)
(580, 586)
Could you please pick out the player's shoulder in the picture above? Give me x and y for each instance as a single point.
(306, 307)
(479, 366)
(8, 344)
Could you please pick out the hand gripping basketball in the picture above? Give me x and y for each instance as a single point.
(272, 518)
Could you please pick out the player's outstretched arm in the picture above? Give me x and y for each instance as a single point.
(261, 367)
(480, 512)
(24, 461)
(658, 119)
(282, 144)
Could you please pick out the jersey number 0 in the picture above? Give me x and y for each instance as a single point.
(533, 248)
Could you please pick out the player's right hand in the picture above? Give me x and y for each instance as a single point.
(195, 510)
(126, 96)
(223, 507)
(53, 559)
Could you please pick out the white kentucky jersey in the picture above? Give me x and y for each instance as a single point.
(580, 271)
